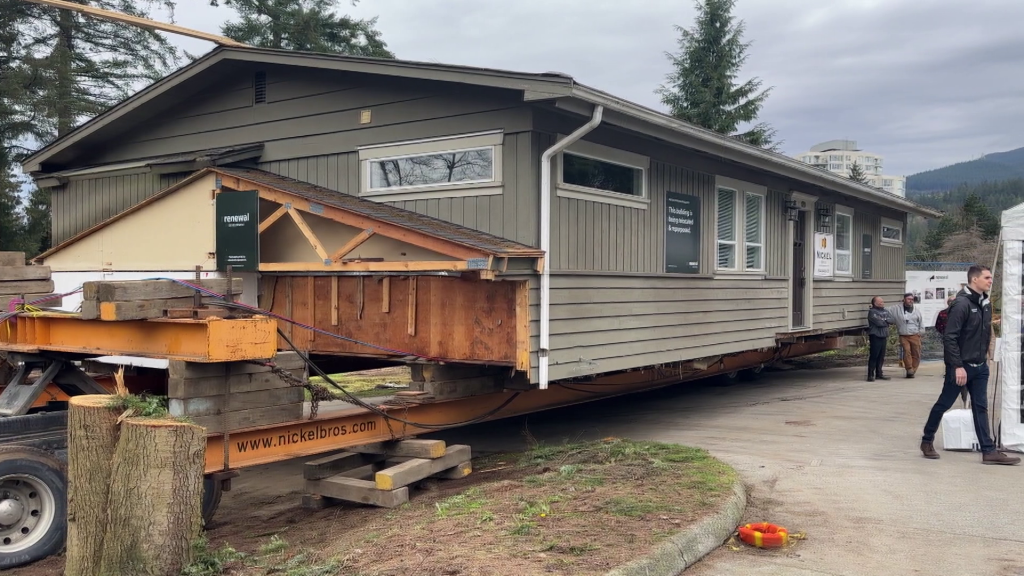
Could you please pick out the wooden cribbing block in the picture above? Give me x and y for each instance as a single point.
(11, 273)
(251, 418)
(130, 310)
(12, 258)
(180, 369)
(52, 300)
(460, 471)
(19, 287)
(417, 469)
(127, 290)
(214, 405)
(337, 463)
(353, 490)
(410, 448)
(217, 385)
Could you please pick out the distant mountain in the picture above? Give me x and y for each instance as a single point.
(996, 167)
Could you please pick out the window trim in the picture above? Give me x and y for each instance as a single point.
(741, 190)
(848, 212)
(736, 241)
(610, 155)
(411, 148)
(890, 223)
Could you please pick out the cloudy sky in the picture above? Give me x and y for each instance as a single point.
(925, 83)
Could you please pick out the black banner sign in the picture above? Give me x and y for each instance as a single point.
(865, 258)
(682, 233)
(238, 235)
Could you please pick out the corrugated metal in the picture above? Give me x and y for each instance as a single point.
(81, 204)
(835, 299)
(385, 212)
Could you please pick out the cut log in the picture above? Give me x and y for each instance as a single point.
(10, 273)
(127, 290)
(92, 439)
(12, 258)
(17, 288)
(155, 512)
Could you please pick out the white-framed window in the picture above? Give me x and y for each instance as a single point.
(844, 241)
(739, 229)
(589, 171)
(462, 165)
(891, 232)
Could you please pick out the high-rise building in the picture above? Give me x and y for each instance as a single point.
(839, 156)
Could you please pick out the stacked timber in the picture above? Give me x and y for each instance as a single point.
(380, 474)
(231, 396)
(121, 300)
(21, 283)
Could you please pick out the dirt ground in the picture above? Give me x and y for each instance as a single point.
(576, 509)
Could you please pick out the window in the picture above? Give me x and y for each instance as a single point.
(844, 241)
(465, 165)
(589, 171)
(734, 217)
(892, 233)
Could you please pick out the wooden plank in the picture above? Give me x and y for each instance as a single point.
(337, 463)
(456, 472)
(12, 273)
(217, 385)
(125, 290)
(413, 448)
(334, 300)
(362, 491)
(18, 288)
(385, 296)
(12, 258)
(285, 360)
(418, 468)
(412, 306)
(523, 325)
(251, 418)
(352, 244)
(135, 310)
(303, 311)
(360, 298)
(308, 233)
(235, 401)
(273, 218)
(395, 266)
(51, 300)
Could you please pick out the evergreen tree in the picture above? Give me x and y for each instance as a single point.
(12, 223)
(857, 174)
(702, 86)
(38, 233)
(304, 25)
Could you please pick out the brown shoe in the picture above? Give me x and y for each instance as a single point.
(999, 458)
(929, 451)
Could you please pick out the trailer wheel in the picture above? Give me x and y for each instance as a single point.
(212, 492)
(33, 505)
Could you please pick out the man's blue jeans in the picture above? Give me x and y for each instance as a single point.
(977, 387)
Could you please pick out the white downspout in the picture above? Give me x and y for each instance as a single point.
(545, 239)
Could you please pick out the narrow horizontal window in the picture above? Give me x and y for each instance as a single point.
(602, 175)
(468, 166)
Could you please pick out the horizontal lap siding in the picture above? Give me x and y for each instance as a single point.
(832, 298)
(610, 323)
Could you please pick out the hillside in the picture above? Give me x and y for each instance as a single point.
(995, 167)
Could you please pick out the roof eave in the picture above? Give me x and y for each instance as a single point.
(733, 149)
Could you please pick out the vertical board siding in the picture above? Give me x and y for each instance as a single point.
(777, 246)
(834, 299)
(887, 262)
(81, 204)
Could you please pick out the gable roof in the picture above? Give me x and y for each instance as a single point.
(554, 87)
(467, 237)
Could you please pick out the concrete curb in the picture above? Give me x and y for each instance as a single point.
(687, 547)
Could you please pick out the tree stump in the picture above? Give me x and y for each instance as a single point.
(92, 438)
(154, 508)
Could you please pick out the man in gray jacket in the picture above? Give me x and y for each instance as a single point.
(879, 320)
(909, 324)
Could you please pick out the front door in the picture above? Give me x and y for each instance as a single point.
(799, 269)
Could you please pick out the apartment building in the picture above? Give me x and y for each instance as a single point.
(839, 156)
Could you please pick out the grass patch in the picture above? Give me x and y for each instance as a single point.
(368, 383)
(141, 406)
(208, 562)
(460, 504)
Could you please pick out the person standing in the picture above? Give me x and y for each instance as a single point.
(909, 323)
(879, 320)
(940, 320)
(965, 350)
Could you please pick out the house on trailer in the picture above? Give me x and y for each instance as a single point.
(523, 222)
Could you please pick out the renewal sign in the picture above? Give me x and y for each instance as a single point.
(682, 233)
(237, 226)
(824, 255)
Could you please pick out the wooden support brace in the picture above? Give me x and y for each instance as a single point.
(334, 300)
(273, 218)
(385, 301)
(362, 491)
(359, 304)
(300, 221)
(412, 306)
(352, 244)
(419, 468)
(337, 463)
(413, 448)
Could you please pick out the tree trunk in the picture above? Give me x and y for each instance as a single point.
(92, 439)
(155, 498)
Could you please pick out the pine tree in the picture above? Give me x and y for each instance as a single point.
(702, 86)
(857, 174)
(38, 233)
(304, 25)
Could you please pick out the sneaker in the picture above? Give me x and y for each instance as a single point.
(929, 451)
(999, 458)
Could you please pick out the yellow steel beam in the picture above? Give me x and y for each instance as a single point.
(207, 340)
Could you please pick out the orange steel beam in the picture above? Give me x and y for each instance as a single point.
(207, 340)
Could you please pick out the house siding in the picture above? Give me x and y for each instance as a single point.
(840, 305)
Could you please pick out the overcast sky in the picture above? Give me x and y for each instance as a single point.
(924, 83)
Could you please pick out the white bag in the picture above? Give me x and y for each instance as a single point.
(958, 431)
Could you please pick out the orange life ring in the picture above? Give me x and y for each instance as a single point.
(764, 535)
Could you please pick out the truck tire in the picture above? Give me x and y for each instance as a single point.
(212, 492)
(33, 505)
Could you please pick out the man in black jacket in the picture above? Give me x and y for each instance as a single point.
(965, 343)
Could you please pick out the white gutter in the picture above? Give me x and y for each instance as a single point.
(545, 239)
